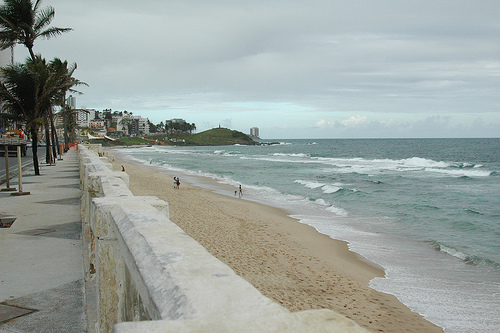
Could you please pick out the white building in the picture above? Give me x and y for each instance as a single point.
(123, 121)
(142, 125)
(97, 124)
(71, 102)
(121, 125)
(254, 132)
(84, 116)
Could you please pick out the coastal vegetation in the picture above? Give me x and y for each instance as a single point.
(29, 91)
(219, 136)
(212, 137)
(33, 93)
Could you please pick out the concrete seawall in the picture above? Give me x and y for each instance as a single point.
(144, 274)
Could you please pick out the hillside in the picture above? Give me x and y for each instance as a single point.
(219, 137)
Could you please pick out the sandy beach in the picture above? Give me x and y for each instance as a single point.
(287, 261)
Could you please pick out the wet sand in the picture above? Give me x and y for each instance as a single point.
(285, 260)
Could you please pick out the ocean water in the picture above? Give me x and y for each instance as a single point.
(426, 210)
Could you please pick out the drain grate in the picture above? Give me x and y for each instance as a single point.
(6, 222)
(8, 312)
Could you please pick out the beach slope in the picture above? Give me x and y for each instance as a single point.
(285, 260)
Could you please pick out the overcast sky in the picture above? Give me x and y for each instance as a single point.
(295, 69)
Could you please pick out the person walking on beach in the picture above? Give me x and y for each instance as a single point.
(240, 192)
(178, 183)
(175, 182)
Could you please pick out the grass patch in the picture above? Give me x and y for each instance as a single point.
(132, 141)
(219, 137)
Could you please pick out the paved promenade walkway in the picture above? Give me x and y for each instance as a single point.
(41, 258)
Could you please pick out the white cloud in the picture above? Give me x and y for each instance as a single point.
(354, 121)
(319, 60)
(324, 124)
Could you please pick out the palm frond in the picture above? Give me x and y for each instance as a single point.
(43, 18)
(53, 32)
(22, 22)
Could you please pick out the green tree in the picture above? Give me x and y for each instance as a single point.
(107, 115)
(128, 123)
(68, 114)
(152, 127)
(28, 92)
(22, 22)
(168, 126)
(160, 127)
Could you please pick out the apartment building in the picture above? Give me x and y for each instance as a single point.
(254, 132)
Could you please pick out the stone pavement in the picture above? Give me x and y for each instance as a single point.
(41, 257)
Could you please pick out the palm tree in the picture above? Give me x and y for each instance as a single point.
(160, 127)
(29, 91)
(23, 21)
(69, 122)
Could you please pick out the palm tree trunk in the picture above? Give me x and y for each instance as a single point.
(34, 149)
(65, 128)
(66, 139)
(32, 54)
(48, 154)
(55, 141)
